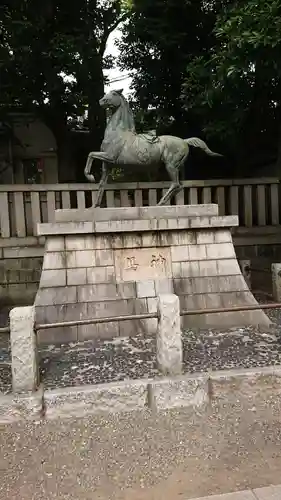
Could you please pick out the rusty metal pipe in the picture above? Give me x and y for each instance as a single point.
(4, 330)
(197, 312)
(95, 321)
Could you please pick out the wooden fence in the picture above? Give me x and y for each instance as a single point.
(256, 201)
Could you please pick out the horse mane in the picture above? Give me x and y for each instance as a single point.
(127, 115)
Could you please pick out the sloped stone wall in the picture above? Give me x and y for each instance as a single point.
(105, 268)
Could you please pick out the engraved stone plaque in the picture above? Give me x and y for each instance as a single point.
(140, 264)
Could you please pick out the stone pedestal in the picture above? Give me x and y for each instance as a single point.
(108, 262)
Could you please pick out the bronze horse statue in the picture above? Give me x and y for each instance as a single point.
(123, 146)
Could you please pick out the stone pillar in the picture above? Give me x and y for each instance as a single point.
(245, 266)
(276, 281)
(168, 339)
(23, 349)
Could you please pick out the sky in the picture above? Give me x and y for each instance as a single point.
(116, 73)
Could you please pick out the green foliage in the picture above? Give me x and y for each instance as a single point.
(159, 41)
(52, 55)
(236, 88)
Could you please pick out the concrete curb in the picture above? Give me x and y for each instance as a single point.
(267, 493)
(195, 391)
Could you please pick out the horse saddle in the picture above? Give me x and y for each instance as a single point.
(150, 136)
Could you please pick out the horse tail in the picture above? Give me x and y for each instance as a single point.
(198, 143)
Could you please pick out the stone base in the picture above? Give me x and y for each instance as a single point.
(108, 262)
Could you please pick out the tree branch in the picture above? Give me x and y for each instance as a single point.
(109, 30)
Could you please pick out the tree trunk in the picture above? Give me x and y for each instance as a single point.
(65, 148)
(97, 115)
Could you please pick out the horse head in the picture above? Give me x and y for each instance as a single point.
(112, 100)
(120, 109)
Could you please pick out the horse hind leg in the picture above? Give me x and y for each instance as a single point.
(102, 184)
(176, 186)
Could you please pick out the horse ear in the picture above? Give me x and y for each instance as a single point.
(119, 91)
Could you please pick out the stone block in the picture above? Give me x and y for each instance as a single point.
(213, 300)
(178, 211)
(25, 370)
(232, 284)
(169, 351)
(143, 264)
(104, 258)
(102, 242)
(53, 278)
(56, 296)
(268, 493)
(223, 236)
(164, 286)
(276, 281)
(131, 241)
(199, 222)
(55, 244)
(58, 336)
(139, 305)
(205, 237)
(228, 267)
(64, 228)
(245, 266)
(76, 276)
(238, 495)
(127, 290)
(145, 288)
(83, 258)
(54, 260)
(97, 293)
(47, 314)
(101, 274)
(186, 238)
(152, 304)
(108, 309)
(80, 401)
(197, 252)
(184, 286)
(191, 390)
(79, 242)
(87, 332)
(149, 240)
(205, 285)
(220, 251)
(177, 269)
(208, 268)
(21, 252)
(124, 226)
(108, 330)
(224, 221)
(180, 253)
(190, 269)
(132, 328)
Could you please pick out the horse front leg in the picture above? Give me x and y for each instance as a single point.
(102, 184)
(94, 155)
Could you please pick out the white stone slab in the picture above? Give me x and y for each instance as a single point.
(141, 264)
(269, 493)
(240, 495)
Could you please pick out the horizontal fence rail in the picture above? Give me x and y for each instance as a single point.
(112, 319)
(22, 207)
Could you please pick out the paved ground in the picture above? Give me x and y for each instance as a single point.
(268, 493)
(176, 455)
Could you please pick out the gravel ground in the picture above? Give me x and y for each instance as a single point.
(133, 358)
(175, 455)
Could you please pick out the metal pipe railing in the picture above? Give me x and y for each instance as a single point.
(253, 307)
(94, 321)
(113, 319)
